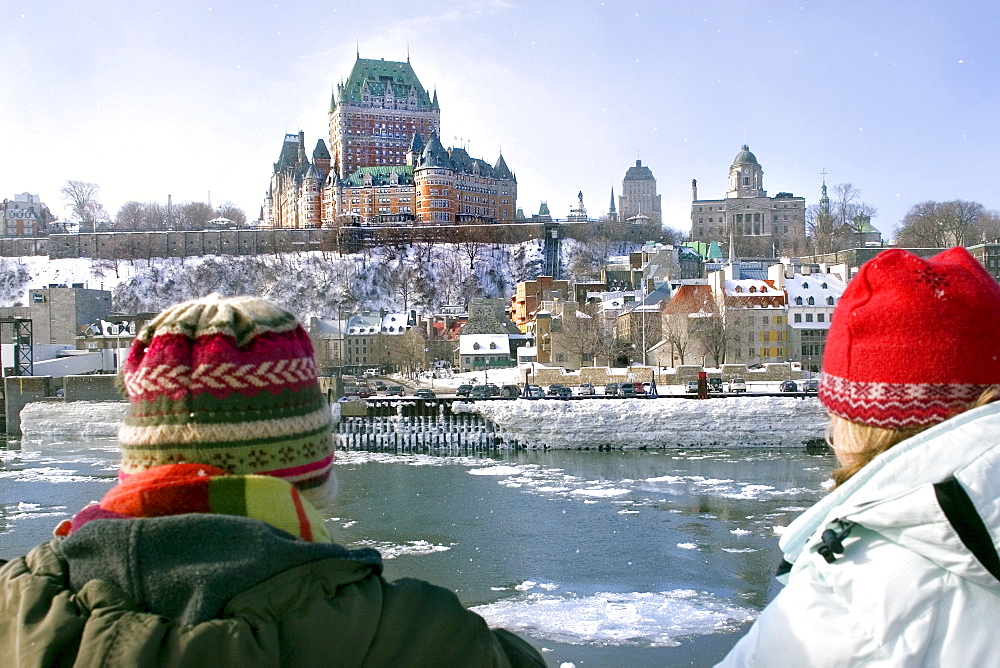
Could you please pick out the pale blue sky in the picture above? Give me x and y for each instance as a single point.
(900, 99)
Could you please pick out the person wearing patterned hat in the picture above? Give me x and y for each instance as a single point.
(211, 549)
(898, 564)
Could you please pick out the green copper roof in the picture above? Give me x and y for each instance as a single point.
(417, 144)
(321, 152)
(714, 251)
(434, 154)
(863, 224)
(380, 77)
(501, 171)
(381, 175)
(745, 156)
(700, 247)
(289, 156)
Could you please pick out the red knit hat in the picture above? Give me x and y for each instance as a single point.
(912, 341)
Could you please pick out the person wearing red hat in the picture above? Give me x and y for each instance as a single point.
(898, 565)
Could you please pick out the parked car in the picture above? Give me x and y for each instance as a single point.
(587, 389)
(554, 388)
(357, 391)
(611, 389)
(640, 389)
(395, 391)
(510, 392)
(811, 385)
(626, 391)
(479, 392)
(463, 390)
(737, 385)
(715, 385)
(534, 392)
(788, 386)
(563, 392)
(424, 393)
(692, 387)
(492, 390)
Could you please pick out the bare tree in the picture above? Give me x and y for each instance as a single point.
(675, 327)
(718, 330)
(131, 216)
(87, 209)
(945, 224)
(582, 334)
(821, 226)
(192, 215)
(233, 213)
(847, 207)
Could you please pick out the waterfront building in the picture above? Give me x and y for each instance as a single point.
(758, 225)
(812, 293)
(528, 296)
(489, 339)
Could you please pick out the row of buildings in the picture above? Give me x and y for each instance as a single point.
(661, 305)
(383, 163)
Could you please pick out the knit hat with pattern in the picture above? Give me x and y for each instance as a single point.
(228, 382)
(912, 341)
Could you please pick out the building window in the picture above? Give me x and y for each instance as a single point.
(809, 317)
(820, 317)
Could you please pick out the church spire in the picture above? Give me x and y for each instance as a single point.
(824, 199)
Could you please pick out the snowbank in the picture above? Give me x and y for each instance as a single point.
(768, 422)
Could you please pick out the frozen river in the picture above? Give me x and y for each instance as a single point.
(651, 557)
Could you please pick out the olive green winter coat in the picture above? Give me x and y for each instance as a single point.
(211, 590)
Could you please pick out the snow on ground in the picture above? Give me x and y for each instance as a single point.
(745, 421)
(38, 271)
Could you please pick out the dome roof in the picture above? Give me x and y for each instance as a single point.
(745, 156)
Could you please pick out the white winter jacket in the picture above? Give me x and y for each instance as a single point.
(918, 581)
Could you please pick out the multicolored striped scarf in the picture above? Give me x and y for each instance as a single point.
(175, 489)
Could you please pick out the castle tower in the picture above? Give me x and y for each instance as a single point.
(434, 179)
(375, 114)
(746, 176)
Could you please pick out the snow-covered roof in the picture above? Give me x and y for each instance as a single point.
(360, 325)
(394, 323)
(821, 287)
(324, 328)
(752, 287)
(483, 344)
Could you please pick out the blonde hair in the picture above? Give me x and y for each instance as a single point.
(856, 444)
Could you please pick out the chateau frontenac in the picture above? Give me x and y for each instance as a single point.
(388, 165)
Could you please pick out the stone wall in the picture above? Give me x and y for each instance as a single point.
(142, 245)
